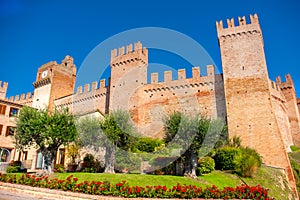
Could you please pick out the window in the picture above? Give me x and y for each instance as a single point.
(2, 109)
(61, 158)
(1, 127)
(13, 111)
(39, 160)
(10, 130)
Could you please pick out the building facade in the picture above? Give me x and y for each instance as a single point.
(262, 112)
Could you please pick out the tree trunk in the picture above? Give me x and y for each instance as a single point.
(110, 159)
(49, 156)
(190, 164)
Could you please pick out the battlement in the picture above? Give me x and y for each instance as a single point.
(242, 27)
(136, 54)
(182, 74)
(87, 87)
(3, 89)
(22, 99)
(276, 92)
(289, 83)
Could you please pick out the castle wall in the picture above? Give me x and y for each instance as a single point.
(289, 93)
(86, 100)
(298, 104)
(188, 95)
(3, 89)
(281, 113)
(248, 93)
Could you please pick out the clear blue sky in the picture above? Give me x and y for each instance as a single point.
(34, 32)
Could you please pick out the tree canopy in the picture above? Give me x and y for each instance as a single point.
(44, 130)
(195, 135)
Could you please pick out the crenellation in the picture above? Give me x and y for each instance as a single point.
(102, 83)
(242, 21)
(154, 77)
(86, 88)
(22, 97)
(210, 70)
(79, 90)
(129, 48)
(254, 19)
(121, 51)
(181, 74)
(243, 27)
(3, 89)
(138, 46)
(230, 23)
(94, 85)
(138, 55)
(168, 76)
(196, 73)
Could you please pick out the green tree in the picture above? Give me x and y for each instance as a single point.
(119, 131)
(114, 130)
(45, 130)
(195, 135)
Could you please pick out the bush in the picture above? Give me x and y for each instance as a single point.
(88, 158)
(13, 169)
(225, 158)
(15, 163)
(205, 165)
(145, 144)
(59, 168)
(247, 162)
(294, 148)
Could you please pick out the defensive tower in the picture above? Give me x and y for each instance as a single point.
(128, 73)
(3, 89)
(54, 81)
(249, 108)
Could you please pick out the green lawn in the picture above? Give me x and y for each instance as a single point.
(267, 177)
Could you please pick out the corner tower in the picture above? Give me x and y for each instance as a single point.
(3, 89)
(54, 81)
(249, 107)
(128, 73)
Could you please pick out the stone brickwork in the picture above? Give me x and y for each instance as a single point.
(289, 93)
(3, 89)
(251, 113)
(263, 113)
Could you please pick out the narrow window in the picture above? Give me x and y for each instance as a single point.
(1, 127)
(13, 112)
(2, 109)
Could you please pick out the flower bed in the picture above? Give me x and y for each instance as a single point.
(124, 190)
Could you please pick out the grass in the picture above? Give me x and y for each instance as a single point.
(273, 179)
(270, 178)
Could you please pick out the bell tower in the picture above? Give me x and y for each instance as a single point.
(54, 81)
(247, 92)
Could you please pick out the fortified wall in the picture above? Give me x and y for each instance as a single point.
(87, 99)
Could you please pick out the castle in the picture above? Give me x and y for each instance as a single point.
(263, 113)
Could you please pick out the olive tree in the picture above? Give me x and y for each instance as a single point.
(44, 130)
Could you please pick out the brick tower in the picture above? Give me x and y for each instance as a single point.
(128, 73)
(54, 81)
(249, 108)
(289, 93)
(3, 89)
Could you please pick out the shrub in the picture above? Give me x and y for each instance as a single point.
(205, 165)
(13, 169)
(145, 144)
(88, 158)
(59, 168)
(15, 163)
(225, 158)
(247, 162)
(294, 148)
